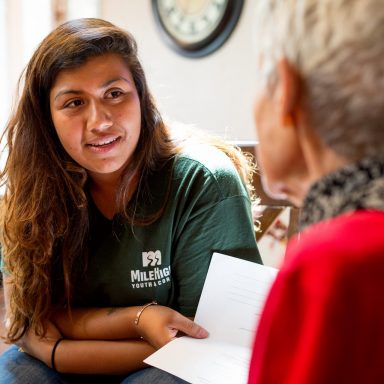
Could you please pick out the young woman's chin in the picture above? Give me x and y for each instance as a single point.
(105, 170)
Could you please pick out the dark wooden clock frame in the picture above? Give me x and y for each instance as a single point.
(211, 43)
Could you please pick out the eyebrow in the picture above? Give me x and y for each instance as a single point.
(104, 85)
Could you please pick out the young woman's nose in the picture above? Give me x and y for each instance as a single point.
(99, 117)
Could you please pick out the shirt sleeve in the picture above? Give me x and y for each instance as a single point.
(216, 218)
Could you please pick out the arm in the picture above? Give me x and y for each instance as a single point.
(96, 356)
(87, 356)
(97, 323)
(158, 324)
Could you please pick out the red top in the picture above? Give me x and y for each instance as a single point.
(324, 318)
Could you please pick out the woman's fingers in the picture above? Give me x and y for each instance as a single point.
(159, 325)
(189, 327)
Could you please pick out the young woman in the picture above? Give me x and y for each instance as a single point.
(109, 219)
(319, 117)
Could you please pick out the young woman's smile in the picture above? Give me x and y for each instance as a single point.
(96, 113)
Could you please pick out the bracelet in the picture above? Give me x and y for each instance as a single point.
(53, 353)
(142, 310)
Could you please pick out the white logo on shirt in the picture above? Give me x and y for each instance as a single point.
(153, 275)
(151, 259)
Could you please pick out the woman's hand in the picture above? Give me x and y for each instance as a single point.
(158, 325)
(40, 347)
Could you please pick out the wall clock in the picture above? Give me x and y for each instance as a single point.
(196, 28)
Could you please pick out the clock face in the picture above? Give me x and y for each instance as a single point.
(196, 27)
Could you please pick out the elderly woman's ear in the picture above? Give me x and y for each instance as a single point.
(287, 93)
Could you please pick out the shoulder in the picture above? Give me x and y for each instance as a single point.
(202, 163)
(351, 242)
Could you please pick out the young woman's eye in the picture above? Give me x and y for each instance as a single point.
(114, 94)
(73, 104)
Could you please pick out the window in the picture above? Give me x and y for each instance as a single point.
(77, 9)
(36, 22)
(23, 24)
(4, 104)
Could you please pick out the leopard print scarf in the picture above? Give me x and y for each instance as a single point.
(355, 187)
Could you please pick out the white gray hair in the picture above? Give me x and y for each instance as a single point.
(337, 48)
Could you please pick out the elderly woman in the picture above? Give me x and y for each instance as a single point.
(319, 118)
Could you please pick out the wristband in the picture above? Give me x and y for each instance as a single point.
(53, 353)
(142, 310)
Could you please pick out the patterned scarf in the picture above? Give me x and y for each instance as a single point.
(357, 186)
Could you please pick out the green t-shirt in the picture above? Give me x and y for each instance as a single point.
(208, 210)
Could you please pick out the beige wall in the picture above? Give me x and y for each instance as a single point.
(215, 92)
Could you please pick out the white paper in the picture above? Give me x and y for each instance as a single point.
(229, 308)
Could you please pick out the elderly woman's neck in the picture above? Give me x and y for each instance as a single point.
(317, 161)
(320, 160)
